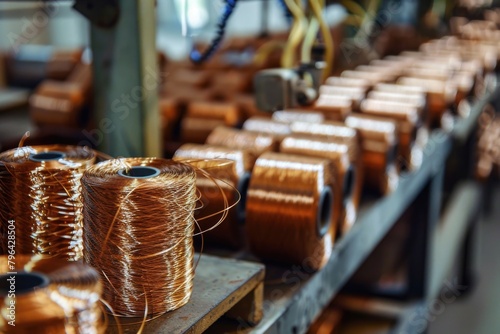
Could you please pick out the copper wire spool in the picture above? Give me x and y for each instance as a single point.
(272, 127)
(334, 107)
(51, 296)
(290, 116)
(138, 230)
(356, 94)
(408, 122)
(289, 213)
(231, 178)
(344, 174)
(196, 130)
(373, 77)
(440, 95)
(203, 117)
(336, 132)
(185, 93)
(40, 189)
(348, 82)
(247, 105)
(379, 151)
(169, 115)
(392, 72)
(230, 83)
(190, 77)
(57, 103)
(62, 63)
(256, 143)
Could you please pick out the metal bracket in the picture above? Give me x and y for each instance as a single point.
(102, 13)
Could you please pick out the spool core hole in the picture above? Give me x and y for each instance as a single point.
(324, 211)
(47, 156)
(22, 282)
(140, 172)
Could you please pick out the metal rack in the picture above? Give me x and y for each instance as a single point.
(294, 298)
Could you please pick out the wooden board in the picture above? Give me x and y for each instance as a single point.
(220, 286)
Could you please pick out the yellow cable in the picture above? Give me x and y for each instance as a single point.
(296, 35)
(354, 8)
(309, 40)
(327, 37)
(265, 50)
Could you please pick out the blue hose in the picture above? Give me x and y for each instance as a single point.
(198, 57)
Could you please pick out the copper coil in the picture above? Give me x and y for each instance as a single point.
(348, 82)
(393, 72)
(41, 190)
(57, 103)
(255, 142)
(231, 83)
(336, 132)
(62, 63)
(138, 230)
(203, 117)
(196, 130)
(236, 175)
(290, 116)
(392, 64)
(465, 82)
(265, 125)
(185, 93)
(440, 95)
(408, 121)
(190, 77)
(225, 111)
(247, 105)
(170, 115)
(356, 94)
(399, 89)
(344, 175)
(438, 73)
(289, 212)
(373, 77)
(379, 145)
(334, 107)
(51, 296)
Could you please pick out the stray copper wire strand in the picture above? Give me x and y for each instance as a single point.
(43, 197)
(138, 234)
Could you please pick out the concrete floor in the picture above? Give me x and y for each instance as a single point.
(478, 312)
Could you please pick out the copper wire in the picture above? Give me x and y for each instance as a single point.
(290, 116)
(408, 121)
(230, 182)
(379, 151)
(339, 133)
(40, 189)
(138, 229)
(256, 143)
(52, 296)
(347, 189)
(278, 129)
(289, 209)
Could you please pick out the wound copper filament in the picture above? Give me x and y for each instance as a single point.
(289, 209)
(228, 182)
(40, 190)
(139, 225)
(52, 296)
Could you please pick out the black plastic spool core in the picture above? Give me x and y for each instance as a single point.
(324, 215)
(243, 184)
(47, 156)
(140, 172)
(22, 282)
(348, 187)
